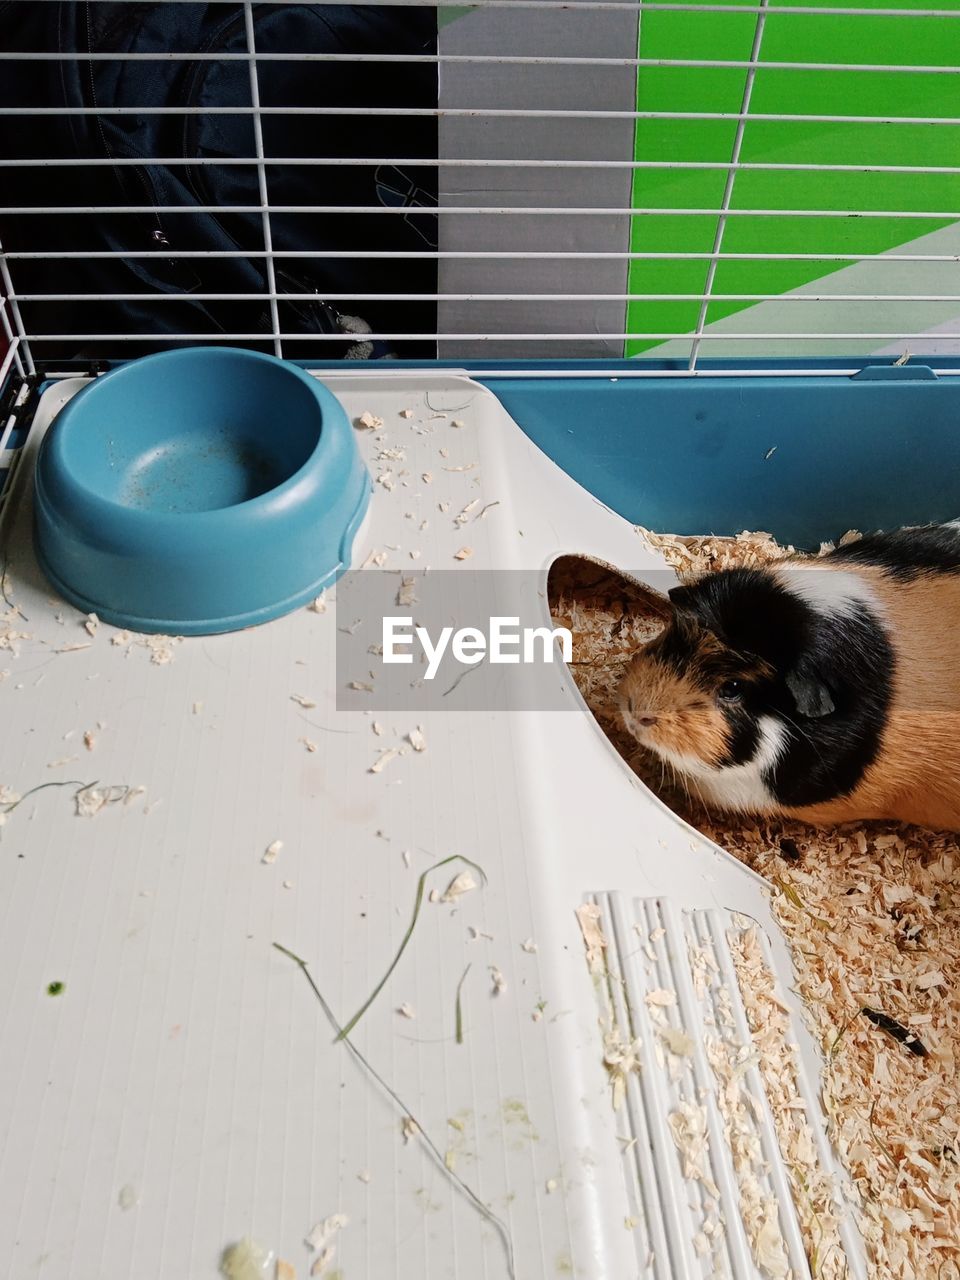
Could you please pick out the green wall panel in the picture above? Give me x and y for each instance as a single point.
(848, 40)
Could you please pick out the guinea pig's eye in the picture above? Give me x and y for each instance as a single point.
(730, 691)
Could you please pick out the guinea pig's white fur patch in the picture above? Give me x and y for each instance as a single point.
(741, 786)
(830, 591)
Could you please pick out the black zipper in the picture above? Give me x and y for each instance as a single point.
(141, 172)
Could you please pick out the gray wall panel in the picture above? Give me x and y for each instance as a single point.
(534, 33)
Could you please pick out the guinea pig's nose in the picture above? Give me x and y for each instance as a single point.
(646, 721)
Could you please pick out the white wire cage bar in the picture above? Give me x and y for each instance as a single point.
(491, 113)
(601, 255)
(486, 211)
(630, 6)
(353, 161)
(527, 218)
(439, 59)
(459, 336)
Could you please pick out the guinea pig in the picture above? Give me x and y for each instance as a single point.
(826, 690)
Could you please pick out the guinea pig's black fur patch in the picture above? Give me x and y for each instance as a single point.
(907, 554)
(839, 666)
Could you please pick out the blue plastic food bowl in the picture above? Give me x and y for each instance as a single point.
(198, 491)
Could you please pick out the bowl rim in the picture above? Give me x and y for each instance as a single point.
(328, 406)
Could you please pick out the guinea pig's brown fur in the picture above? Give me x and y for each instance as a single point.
(916, 776)
(852, 681)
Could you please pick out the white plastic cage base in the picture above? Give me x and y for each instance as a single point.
(184, 1091)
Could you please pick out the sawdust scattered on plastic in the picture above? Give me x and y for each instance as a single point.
(127, 1197)
(270, 854)
(368, 421)
(160, 647)
(588, 917)
(384, 759)
(320, 1236)
(458, 886)
(872, 913)
(91, 800)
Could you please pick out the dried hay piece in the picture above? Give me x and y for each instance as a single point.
(872, 913)
(90, 800)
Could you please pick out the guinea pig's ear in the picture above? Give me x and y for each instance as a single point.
(680, 597)
(811, 694)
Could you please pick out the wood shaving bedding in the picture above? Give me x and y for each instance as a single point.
(458, 886)
(813, 1191)
(872, 915)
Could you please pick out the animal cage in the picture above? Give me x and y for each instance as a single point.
(576, 270)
